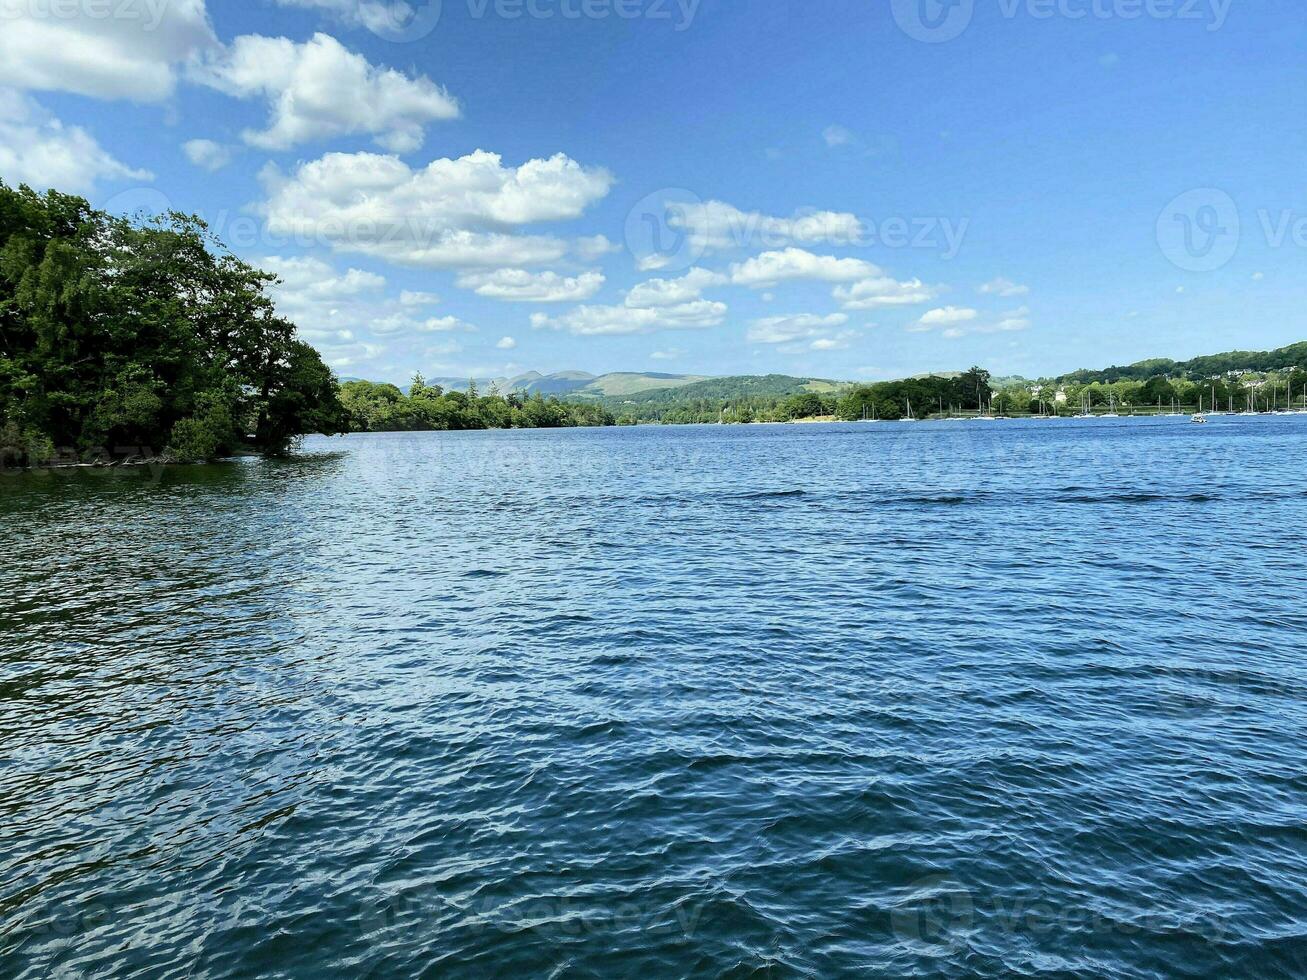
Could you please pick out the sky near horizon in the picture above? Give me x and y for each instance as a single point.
(839, 189)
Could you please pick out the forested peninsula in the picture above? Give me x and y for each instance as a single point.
(124, 339)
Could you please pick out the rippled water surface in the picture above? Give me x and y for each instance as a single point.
(946, 699)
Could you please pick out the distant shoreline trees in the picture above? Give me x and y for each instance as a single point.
(122, 338)
(373, 407)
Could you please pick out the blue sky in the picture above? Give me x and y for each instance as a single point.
(841, 189)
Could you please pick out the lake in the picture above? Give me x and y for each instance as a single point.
(936, 699)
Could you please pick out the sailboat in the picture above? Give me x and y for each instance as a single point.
(908, 417)
(1111, 408)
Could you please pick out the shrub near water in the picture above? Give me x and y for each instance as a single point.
(121, 338)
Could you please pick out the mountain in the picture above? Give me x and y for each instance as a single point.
(574, 384)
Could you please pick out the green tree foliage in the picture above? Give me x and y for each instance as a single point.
(1203, 368)
(122, 337)
(925, 396)
(373, 407)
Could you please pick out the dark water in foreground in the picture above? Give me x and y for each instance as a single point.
(944, 699)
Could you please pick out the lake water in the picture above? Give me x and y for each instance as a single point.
(938, 699)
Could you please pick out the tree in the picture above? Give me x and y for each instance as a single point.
(803, 406)
(125, 336)
(976, 388)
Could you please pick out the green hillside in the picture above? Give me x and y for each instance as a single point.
(1199, 368)
(620, 384)
(735, 387)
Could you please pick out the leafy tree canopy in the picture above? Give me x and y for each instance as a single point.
(123, 337)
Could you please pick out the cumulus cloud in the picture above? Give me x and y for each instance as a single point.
(399, 323)
(327, 305)
(771, 268)
(884, 291)
(673, 292)
(595, 247)
(133, 54)
(945, 316)
(206, 154)
(320, 89)
(451, 213)
(1011, 322)
(312, 279)
(716, 225)
(521, 286)
(39, 150)
(588, 321)
(830, 343)
(799, 326)
(1004, 287)
(506, 343)
(416, 298)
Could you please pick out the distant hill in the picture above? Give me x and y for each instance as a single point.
(1199, 368)
(642, 388)
(736, 387)
(573, 384)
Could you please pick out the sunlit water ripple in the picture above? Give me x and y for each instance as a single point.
(947, 699)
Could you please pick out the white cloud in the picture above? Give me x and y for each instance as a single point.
(411, 298)
(836, 136)
(947, 316)
(320, 89)
(381, 16)
(595, 247)
(830, 343)
(521, 286)
(588, 321)
(673, 292)
(449, 214)
(787, 329)
(506, 343)
(398, 323)
(349, 354)
(39, 150)
(312, 279)
(1012, 322)
(131, 54)
(884, 291)
(671, 354)
(1258, 276)
(207, 154)
(1004, 287)
(441, 350)
(327, 305)
(771, 268)
(715, 225)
